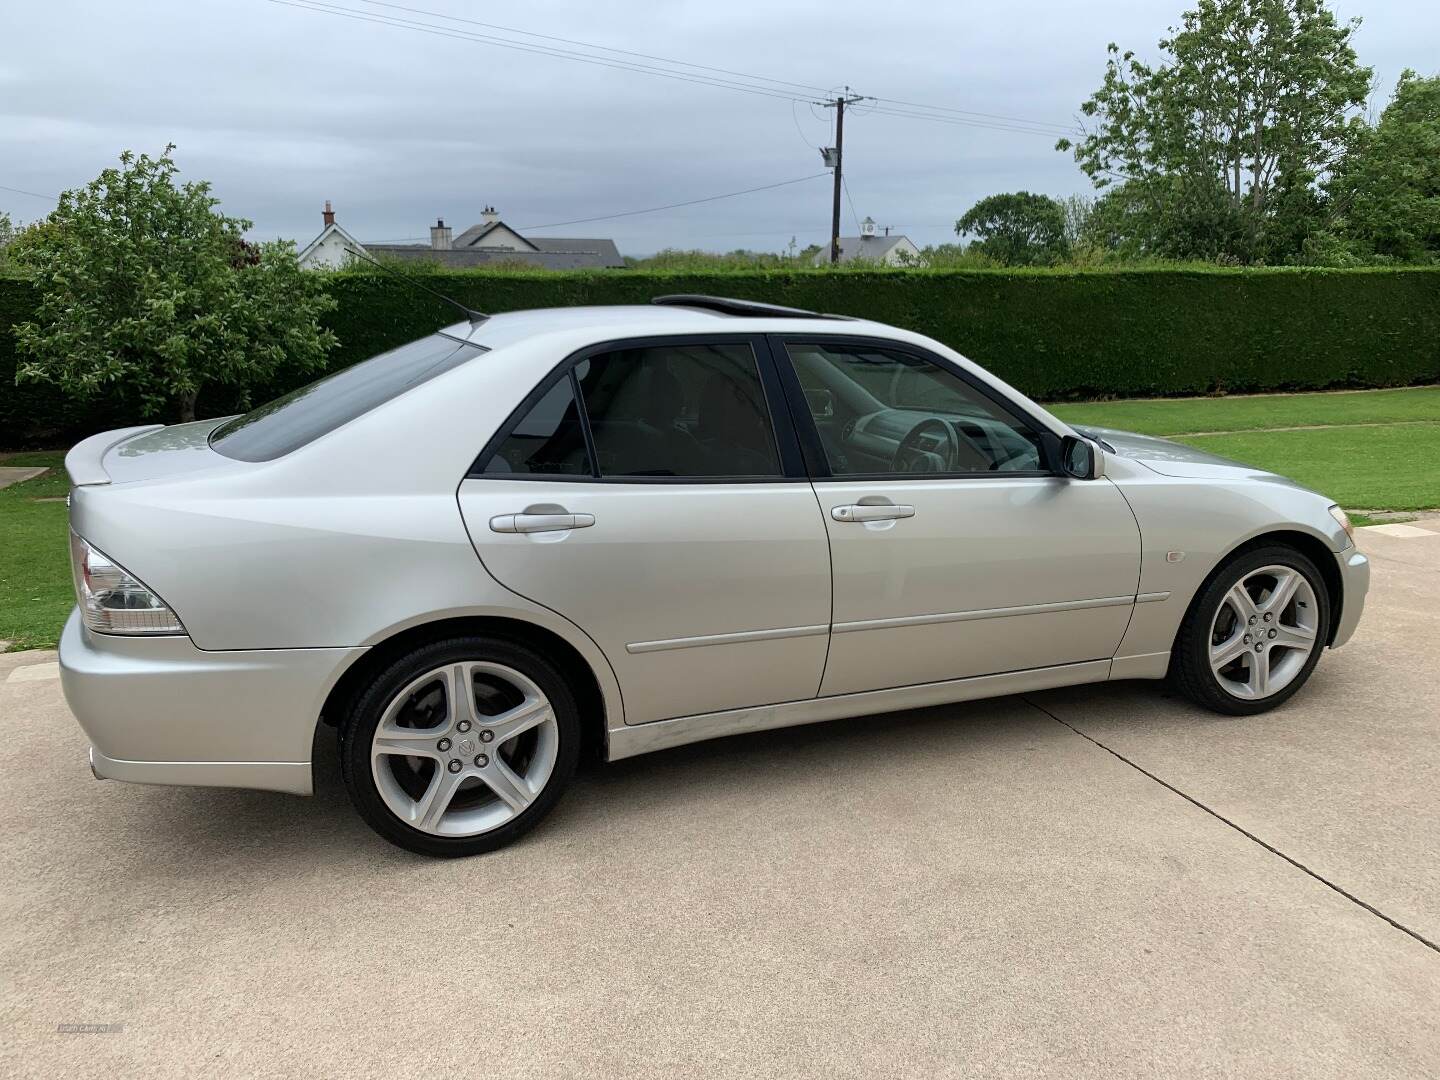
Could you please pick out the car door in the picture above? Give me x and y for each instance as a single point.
(653, 493)
(955, 550)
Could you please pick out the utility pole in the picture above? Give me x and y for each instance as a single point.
(835, 158)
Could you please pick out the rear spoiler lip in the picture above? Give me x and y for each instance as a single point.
(84, 461)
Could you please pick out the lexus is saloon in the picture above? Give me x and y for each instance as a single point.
(636, 527)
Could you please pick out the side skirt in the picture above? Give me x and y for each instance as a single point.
(662, 734)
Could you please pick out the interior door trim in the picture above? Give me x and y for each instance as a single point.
(726, 639)
(982, 613)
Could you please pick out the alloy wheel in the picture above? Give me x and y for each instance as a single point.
(464, 748)
(1263, 632)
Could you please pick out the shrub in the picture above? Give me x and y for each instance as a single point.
(1055, 334)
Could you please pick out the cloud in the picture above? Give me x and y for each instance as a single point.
(282, 109)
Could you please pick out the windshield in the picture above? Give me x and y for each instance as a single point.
(303, 415)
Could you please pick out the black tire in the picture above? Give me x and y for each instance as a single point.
(358, 730)
(1190, 672)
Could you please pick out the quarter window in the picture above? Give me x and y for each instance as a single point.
(882, 412)
(548, 440)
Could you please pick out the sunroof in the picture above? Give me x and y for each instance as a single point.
(726, 305)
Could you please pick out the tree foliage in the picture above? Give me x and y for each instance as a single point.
(146, 288)
(1386, 192)
(1219, 147)
(1018, 229)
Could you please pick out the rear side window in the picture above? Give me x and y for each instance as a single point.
(666, 411)
(303, 415)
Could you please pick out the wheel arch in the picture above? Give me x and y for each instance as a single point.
(592, 697)
(1309, 545)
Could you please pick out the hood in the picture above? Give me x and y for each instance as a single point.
(143, 453)
(1175, 459)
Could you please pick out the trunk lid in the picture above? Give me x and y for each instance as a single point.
(146, 452)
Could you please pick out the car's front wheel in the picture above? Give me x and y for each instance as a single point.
(461, 746)
(1254, 634)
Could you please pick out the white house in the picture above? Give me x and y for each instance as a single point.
(327, 251)
(871, 246)
(489, 243)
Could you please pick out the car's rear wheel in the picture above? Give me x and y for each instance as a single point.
(1254, 634)
(461, 746)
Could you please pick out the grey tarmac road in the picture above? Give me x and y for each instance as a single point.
(1097, 882)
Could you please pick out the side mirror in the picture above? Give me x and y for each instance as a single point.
(1081, 459)
(821, 402)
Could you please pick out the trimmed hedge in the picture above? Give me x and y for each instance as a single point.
(1054, 334)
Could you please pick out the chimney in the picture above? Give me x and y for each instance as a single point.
(489, 216)
(328, 216)
(440, 235)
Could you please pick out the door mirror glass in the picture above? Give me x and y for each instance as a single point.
(1080, 458)
(821, 403)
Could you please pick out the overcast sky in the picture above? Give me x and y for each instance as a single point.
(283, 108)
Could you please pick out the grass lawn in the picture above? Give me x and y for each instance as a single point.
(1372, 450)
(1183, 416)
(1372, 468)
(35, 590)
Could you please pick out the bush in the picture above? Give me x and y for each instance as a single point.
(1055, 334)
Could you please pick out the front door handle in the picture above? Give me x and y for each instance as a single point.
(863, 512)
(538, 523)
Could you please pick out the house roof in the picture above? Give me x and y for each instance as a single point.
(475, 233)
(549, 253)
(864, 247)
(543, 252)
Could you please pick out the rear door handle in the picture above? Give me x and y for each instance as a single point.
(862, 512)
(537, 523)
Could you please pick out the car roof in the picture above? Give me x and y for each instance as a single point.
(643, 320)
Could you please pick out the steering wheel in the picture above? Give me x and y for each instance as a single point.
(930, 446)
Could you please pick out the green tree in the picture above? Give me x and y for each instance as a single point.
(1225, 140)
(7, 239)
(1018, 229)
(1386, 193)
(144, 287)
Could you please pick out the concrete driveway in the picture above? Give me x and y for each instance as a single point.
(1097, 882)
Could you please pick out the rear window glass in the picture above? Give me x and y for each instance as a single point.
(303, 415)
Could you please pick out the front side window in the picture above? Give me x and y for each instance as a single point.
(665, 411)
(882, 412)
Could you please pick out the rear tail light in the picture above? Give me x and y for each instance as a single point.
(113, 602)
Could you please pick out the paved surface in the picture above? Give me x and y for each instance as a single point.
(966, 891)
(14, 475)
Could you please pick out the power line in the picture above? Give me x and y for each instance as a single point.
(591, 45)
(1058, 129)
(322, 8)
(845, 183)
(672, 206)
(35, 194)
(722, 78)
(981, 124)
(950, 109)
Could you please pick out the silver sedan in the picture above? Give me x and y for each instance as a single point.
(623, 529)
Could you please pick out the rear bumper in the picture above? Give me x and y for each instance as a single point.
(1355, 582)
(160, 711)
